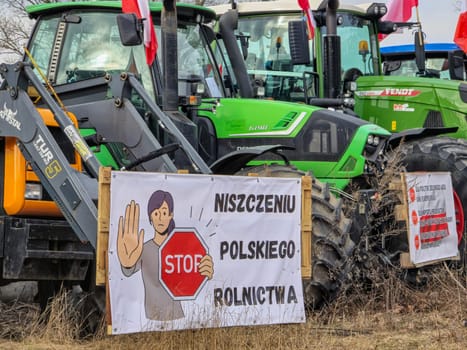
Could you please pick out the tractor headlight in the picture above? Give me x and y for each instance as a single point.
(260, 91)
(383, 9)
(373, 140)
(33, 191)
(198, 88)
(377, 10)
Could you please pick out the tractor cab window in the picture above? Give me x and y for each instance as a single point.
(225, 68)
(196, 75)
(192, 58)
(435, 67)
(359, 53)
(87, 47)
(41, 42)
(267, 43)
(268, 58)
(196, 62)
(327, 136)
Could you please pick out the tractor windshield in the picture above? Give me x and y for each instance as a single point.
(196, 63)
(87, 44)
(400, 60)
(359, 49)
(74, 48)
(268, 59)
(269, 62)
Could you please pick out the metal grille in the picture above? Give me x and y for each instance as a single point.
(433, 120)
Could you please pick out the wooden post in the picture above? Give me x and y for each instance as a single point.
(103, 226)
(401, 210)
(306, 228)
(103, 214)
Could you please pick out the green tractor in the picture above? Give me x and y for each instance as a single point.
(340, 69)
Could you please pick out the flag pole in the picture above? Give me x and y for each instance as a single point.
(305, 6)
(420, 26)
(309, 23)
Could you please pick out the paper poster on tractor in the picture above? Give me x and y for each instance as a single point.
(197, 251)
(431, 215)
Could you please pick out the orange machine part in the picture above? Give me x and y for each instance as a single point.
(18, 172)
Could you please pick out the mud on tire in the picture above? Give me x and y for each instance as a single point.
(332, 248)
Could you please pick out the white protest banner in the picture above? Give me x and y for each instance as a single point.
(432, 224)
(196, 251)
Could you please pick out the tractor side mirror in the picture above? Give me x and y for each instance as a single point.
(298, 43)
(130, 29)
(210, 34)
(69, 18)
(387, 27)
(420, 51)
(456, 65)
(391, 66)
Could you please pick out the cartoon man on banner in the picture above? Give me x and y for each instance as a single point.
(134, 255)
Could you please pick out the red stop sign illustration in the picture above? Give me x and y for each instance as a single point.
(179, 257)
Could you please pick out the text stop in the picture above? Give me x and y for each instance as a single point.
(179, 263)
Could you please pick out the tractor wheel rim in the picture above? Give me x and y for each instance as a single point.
(459, 212)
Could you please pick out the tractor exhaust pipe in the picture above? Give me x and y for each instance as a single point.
(169, 60)
(227, 25)
(332, 52)
(331, 17)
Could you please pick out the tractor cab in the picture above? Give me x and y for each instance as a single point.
(89, 46)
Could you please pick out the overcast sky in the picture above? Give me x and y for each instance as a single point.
(438, 17)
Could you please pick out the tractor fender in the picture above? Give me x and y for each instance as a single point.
(417, 133)
(235, 161)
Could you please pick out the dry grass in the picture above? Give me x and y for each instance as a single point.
(390, 315)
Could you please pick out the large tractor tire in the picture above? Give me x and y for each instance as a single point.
(331, 246)
(443, 154)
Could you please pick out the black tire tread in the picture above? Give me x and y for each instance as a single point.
(332, 247)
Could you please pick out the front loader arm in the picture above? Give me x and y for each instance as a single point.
(73, 192)
(123, 125)
(117, 120)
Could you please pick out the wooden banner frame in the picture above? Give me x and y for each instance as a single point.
(103, 227)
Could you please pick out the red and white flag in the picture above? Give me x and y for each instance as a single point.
(460, 35)
(141, 9)
(305, 6)
(399, 11)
